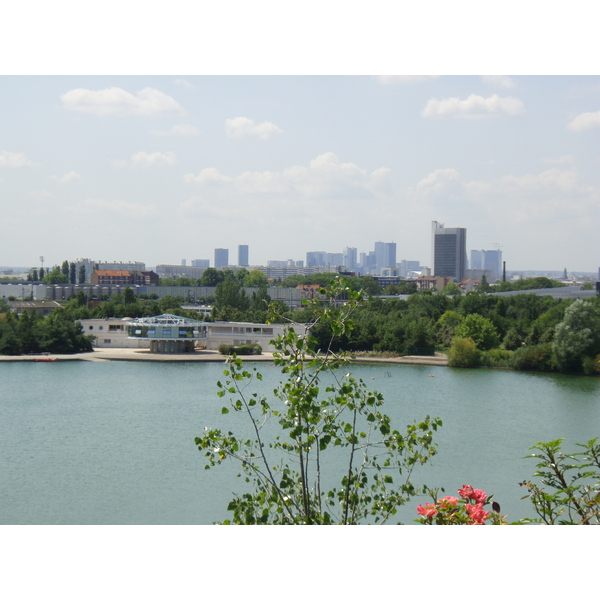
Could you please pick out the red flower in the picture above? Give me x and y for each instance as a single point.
(449, 501)
(468, 493)
(477, 514)
(427, 511)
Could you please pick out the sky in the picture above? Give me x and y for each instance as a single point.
(160, 168)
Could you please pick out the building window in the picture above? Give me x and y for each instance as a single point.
(107, 341)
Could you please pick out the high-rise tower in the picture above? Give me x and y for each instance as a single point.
(385, 255)
(449, 251)
(221, 257)
(243, 255)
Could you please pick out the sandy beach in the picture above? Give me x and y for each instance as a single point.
(135, 354)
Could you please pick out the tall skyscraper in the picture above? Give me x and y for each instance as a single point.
(221, 257)
(487, 260)
(449, 251)
(350, 258)
(243, 255)
(385, 255)
(477, 259)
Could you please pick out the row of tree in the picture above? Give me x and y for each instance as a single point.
(67, 273)
(30, 333)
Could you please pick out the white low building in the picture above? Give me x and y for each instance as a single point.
(113, 333)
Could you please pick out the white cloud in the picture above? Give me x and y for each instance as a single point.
(436, 180)
(391, 79)
(585, 121)
(115, 101)
(145, 160)
(326, 178)
(498, 80)
(561, 160)
(14, 160)
(473, 107)
(243, 128)
(125, 209)
(67, 177)
(184, 83)
(207, 176)
(183, 129)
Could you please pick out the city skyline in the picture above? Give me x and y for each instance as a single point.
(156, 168)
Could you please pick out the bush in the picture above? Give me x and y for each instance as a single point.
(591, 365)
(463, 353)
(243, 350)
(496, 358)
(533, 358)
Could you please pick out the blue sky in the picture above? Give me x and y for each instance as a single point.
(161, 168)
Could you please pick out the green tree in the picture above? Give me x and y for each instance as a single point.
(81, 274)
(55, 276)
(577, 336)
(255, 278)
(484, 286)
(463, 353)
(211, 277)
(480, 330)
(73, 273)
(452, 290)
(129, 296)
(290, 468)
(230, 301)
(65, 269)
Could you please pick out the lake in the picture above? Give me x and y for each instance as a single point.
(113, 442)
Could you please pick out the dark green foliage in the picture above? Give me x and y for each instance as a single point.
(496, 358)
(535, 283)
(243, 350)
(57, 333)
(533, 358)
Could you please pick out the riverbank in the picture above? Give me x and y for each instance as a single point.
(135, 354)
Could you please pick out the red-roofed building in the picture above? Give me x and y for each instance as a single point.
(108, 277)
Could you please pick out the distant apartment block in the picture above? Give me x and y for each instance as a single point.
(385, 255)
(243, 255)
(91, 265)
(201, 262)
(114, 277)
(350, 261)
(221, 258)
(176, 271)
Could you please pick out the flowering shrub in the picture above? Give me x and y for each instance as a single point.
(468, 510)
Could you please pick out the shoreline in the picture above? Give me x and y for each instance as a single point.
(135, 354)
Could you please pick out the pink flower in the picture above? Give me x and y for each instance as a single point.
(427, 511)
(477, 514)
(468, 493)
(449, 501)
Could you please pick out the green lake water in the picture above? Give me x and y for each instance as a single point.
(113, 442)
